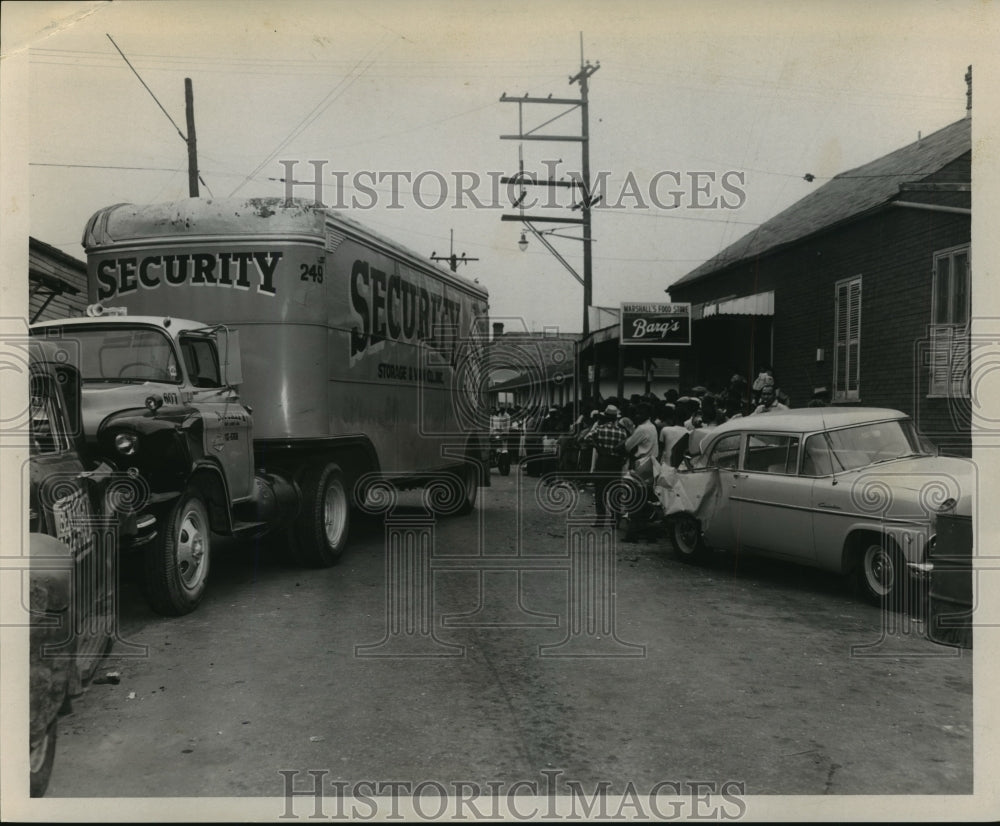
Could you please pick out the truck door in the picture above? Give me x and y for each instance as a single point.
(228, 428)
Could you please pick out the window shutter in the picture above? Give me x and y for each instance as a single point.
(941, 341)
(949, 361)
(853, 340)
(847, 345)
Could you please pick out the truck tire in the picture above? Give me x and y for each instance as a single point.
(177, 563)
(320, 531)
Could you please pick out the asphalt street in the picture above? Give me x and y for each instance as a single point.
(517, 644)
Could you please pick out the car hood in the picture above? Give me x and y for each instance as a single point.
(929, 481)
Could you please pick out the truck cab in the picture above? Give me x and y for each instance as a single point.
(159, 402)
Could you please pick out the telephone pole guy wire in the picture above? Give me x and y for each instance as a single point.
(165, 112)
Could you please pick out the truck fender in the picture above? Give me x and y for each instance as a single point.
(209, 479)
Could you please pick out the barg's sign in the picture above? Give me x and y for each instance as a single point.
(655, 323)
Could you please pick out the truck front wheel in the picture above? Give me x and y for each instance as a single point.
(177, 562)
(321, 529)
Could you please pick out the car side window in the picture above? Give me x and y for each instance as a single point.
(772, 453)
(725, 453)
(816, 460)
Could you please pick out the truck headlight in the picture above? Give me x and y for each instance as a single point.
(125, 443)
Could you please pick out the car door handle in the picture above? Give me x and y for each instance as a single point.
(829, 507)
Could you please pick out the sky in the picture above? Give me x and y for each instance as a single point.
(687, 97)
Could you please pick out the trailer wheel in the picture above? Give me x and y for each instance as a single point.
(320, 532)
(177, 563)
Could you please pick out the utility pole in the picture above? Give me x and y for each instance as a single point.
(587, 200)
(192, 143)
(189, 139)
(452, 259)
(580, 187)
(586, 70)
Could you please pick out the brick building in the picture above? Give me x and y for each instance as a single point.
(861, 289)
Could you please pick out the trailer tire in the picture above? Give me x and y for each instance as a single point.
(320, 531)
(177, 563)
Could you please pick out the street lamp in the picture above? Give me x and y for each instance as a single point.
(523, 243)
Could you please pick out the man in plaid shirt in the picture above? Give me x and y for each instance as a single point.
(608, 438)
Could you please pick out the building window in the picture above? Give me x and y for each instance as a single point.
(847, 344)
(951, 307)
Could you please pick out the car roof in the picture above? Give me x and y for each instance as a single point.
(808, 419)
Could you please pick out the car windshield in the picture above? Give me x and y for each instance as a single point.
(123, 354)
(856, 447)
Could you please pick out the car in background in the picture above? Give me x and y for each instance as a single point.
(854, 491)
(73, 530)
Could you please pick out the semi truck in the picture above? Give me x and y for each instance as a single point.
(259, 365)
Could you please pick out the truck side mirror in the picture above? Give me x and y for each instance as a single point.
(230, 362)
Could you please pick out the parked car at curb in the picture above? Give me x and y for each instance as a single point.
(73, 529)
(853, 490)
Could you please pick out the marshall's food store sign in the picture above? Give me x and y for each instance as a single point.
(655, 323)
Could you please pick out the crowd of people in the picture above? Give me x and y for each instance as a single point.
(617, 432)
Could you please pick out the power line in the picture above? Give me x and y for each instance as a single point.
(341, 87)
(186, 138)
(143, 82)
(108, 166)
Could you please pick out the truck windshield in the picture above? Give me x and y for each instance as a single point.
(112, 354)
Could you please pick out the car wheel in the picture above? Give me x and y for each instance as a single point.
(685, 532)
(322, 525)
(177, 563)
(42, 755)
(880, 572)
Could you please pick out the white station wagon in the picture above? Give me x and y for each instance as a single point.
(851, 490)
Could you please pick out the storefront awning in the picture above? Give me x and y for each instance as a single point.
(756, 304)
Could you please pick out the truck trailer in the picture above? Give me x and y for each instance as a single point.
(325, 359)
